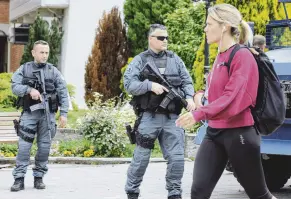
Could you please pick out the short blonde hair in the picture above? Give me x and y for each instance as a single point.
(228, 14)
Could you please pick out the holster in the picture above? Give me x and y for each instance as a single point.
(16, 126)
(131, 133)
(53, 102)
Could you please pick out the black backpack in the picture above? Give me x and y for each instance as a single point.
(269, 112)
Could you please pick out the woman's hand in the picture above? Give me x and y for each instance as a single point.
(186, 120)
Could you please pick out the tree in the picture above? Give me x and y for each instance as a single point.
(40, 30)
(258, 11)
(55, 40)
(109, 54)
(139, 14)
(185, 28)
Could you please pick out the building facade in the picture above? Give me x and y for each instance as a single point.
(10, 54)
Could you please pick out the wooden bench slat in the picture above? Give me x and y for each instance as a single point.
(8, 118)
(7, 135)
(6, 123)
(10, 114)
(7, 131)
(9, 138)
(4, 127)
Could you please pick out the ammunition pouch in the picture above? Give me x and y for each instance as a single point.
(26, 102)
(54, 102)
(151, 102)
(49, 86)
(33, 83)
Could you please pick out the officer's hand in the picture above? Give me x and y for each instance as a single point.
(158, 88)
(198, 100)
(185, 121)
(62, 121)
(191, 105)
(35, 95)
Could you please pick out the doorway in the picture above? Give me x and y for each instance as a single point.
(3, 54)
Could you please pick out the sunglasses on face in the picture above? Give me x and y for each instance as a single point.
(161, 38)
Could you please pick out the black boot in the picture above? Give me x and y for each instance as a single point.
(175, 197)
(38, 183)
(132, 195)
(18, 184)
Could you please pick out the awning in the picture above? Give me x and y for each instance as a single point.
(24, 11)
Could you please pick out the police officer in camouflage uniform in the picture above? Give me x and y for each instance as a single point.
(33, 123)
(155, 122)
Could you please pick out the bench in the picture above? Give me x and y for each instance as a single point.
(7, 131)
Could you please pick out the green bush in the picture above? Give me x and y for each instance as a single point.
(185, 28)
(8, 150)
(103, 125)
(7, 99)
(138, 15)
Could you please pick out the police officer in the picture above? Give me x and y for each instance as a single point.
(155, 122)
(34, 123)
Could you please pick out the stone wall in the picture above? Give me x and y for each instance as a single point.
(190, 147)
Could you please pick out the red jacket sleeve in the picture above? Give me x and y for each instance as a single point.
(239, 93)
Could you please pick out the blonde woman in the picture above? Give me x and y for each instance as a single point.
(231, 133)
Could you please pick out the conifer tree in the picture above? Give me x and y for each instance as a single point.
(109, 54)
(39, 30)
(55, 40)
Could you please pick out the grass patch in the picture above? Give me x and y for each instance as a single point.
(73, 117)
(156, 152)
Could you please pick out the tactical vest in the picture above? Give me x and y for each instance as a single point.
(150, 101)
(29, 79)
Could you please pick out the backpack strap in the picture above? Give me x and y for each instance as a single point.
(235, 49)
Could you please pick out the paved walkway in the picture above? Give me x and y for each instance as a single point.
(107, 182)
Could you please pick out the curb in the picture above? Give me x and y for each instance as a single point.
(88, 161)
